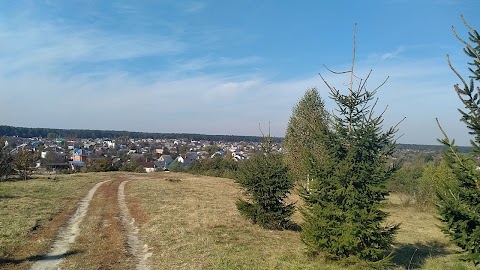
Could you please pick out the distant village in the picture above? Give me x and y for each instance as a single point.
(55, 154)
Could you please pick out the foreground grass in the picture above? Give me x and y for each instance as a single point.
(192, 223)
(189, 222)
(28, 207)
(419, 243)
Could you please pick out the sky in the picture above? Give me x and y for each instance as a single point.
(223, 67)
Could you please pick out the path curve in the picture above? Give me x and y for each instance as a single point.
(66, 235)
(135, 245)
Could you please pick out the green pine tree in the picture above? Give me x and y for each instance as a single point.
(342, 212)
(264, 178)
(460, 207)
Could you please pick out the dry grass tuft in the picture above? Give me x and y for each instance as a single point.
(173, 180)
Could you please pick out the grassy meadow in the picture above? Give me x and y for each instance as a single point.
(191, 222)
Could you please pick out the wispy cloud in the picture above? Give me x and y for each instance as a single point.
(208, 62)
(40, 46)
(382, 56)
(393, 54)
(193, 7)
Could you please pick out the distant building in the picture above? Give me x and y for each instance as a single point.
(164, 161)
(80, 155)
(149, 166)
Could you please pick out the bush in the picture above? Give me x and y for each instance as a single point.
(218, 167)
(102, 165)
(436, 179)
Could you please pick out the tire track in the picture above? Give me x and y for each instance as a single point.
(135, 246)
(66, 235)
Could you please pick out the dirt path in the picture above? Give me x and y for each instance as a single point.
(101, 234)
(66, 235)
(135, 246)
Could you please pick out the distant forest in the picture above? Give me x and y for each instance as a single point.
(25, 132)
(421, 147)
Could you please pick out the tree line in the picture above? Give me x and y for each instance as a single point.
(26, 132)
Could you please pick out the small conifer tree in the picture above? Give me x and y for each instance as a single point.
(459, 208)
(264, 178)
(342, 211)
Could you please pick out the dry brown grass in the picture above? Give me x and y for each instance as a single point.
(189, 222)
(420, 242)
(32, 211)
(193, 224)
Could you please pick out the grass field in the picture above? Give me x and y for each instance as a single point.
(193, 224)
(188, 222)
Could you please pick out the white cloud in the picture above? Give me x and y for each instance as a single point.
(40, 46)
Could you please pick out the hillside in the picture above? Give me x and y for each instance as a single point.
(187, 222)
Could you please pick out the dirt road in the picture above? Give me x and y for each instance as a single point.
(100, 235)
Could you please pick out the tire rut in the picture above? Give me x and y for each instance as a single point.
(135, 245)
(66, 235)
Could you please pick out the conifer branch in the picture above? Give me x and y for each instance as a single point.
(470, 47)
(467, 25)
(459, 91)
(473, 31)
(456, 157)
(336, 72)
(378, 87)
(456, 72)
(326, 83)
(399, 122)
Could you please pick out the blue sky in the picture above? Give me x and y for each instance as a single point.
(222, 67)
